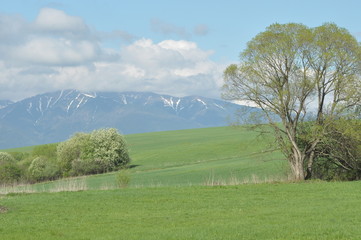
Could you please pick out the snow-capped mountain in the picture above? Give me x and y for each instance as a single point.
(4, 103)
(55, 116)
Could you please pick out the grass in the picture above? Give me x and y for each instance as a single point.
(180, 189)
(315, 210)
(184, 157)
(188, 157)
(191, 157)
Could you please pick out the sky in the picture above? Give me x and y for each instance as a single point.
(175, 47)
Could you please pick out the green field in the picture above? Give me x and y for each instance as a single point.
(191, 157)
(251, 211)
(174, 194)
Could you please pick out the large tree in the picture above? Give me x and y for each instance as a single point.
(295, 72)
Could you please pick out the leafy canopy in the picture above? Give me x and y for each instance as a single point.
(298, 73)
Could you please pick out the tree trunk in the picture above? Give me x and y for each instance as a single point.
(309, 166)
(297, 165)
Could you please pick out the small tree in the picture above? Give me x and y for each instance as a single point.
(9, 171)
(108, 148)
(6, 158)
(46, 150)
(70, 150)
(100, 151)
(42, 169)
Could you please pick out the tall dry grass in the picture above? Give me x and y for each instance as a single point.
(68, 185)
(253, 179)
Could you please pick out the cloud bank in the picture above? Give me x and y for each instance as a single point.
(59, 51)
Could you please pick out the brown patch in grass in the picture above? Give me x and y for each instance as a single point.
(3, 209)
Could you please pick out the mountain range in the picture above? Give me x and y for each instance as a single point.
(55, 116)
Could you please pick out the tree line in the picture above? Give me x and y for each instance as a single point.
(100, 151)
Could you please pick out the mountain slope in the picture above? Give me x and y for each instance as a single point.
(55, 116)
(5, 103)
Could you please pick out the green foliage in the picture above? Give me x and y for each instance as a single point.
(70, 150)
(338, 154)
(9, 173)
(42, 169)
(101, 151)
(19, 156)
(46, 150)
(6, 158)
(108, 148)
(81, 167)
(288, 66)
(341, 146)
(122, 178)
(14, 166)
(326, 169)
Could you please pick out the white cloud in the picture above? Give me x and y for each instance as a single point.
(12, 29)
(58, 51)
(177, 67)
(54, 20)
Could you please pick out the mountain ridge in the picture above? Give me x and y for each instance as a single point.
(55, 116)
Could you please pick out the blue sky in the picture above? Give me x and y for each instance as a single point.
(170, 47)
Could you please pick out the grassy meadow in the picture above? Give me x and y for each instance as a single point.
(189, 157)
(186, 184)
(315, 210)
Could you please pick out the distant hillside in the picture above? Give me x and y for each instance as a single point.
(55, 116)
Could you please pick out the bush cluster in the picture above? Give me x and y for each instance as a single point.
(338, 155)
(9, 170)
(100, 151)
(41, 169)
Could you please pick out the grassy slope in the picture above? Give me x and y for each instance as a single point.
(193, 157)
(254, 211)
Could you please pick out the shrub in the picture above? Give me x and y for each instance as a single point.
(9, 173)
(338, 154)
(100, 151)
(70, 150)
(19, 156)
(42, 169)
(85, 167)
(46, 150)
(122, 178)
(6, 158)
(109, 149)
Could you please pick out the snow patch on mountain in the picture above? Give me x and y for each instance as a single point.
(219, 106)
(5, 103)
(124, 99)
(89, 95)
(29, 108)
(71, 102)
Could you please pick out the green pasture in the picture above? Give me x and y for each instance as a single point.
(192, 157)
(316, 210)
(180, 188)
